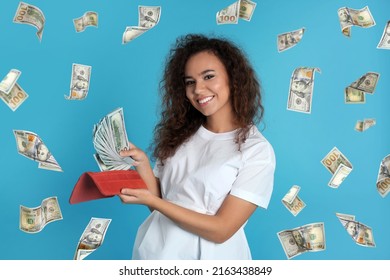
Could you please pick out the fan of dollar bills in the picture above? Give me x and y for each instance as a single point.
(109, 138)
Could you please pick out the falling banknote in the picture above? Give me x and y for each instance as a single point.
(92, 237)
(301, 89)
(383, 180)
(32, 15)
(289, 39)
(79, 84)
(349, 17)
(243, 9)
(10, 91)
(148, 17)
(9, 81)
(109, 138)
(88, 19)
(364, 125)
(307, 238)
(384, 43)
(355, 92)
(337, 164)
(360, 233)
(31, 146)
(33, 220)
(292, 201)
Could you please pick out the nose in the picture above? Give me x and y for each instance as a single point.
(199, 87)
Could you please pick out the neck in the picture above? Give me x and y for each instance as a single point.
(220, 126)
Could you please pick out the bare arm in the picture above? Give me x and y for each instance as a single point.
(217, 228)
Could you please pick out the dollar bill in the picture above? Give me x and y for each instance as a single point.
(247, 9)
(351, 17)
(33, 220)
(229, 15)
(384, 43)
(30, 145)
(354, 96)
(340, 174)
(383, 180)
(292, 202)
(89, 18)
(132, 32)
(148, 17)
(15, 98)
(289, 39)
(31, 15)
(80, 80)
(92, 237)
(307, 238)
(301, 89)
(364, 125)
(109, 138)
(333, 160)
(360, 233)
(367, 82)
(9, 81)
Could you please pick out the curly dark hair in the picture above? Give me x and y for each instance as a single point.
(179, 119)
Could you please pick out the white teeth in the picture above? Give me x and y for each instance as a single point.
(207, 99)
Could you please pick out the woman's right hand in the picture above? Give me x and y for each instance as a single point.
(140, 158)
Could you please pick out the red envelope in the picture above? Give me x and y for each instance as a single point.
(95, 185)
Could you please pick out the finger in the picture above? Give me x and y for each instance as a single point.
(128, 191)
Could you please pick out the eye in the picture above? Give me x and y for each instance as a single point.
(188, 82)
(209, 76)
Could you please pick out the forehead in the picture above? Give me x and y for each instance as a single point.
(204, 60)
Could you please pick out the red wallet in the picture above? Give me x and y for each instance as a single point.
(95, 185)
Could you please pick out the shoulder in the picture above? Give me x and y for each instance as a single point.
(257, 146)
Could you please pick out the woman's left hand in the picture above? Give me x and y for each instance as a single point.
(136, 196)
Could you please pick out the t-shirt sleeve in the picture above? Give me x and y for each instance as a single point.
(157, 169)
(255, 178)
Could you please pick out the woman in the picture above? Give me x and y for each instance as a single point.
(214, 168)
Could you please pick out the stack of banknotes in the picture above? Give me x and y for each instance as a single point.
(109, 138)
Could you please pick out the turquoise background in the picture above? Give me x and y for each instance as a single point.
(127, 75)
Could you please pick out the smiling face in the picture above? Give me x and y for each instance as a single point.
(207, 86)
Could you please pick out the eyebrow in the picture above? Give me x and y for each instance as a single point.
(201, 73)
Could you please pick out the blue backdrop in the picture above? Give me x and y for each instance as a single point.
(127, 75)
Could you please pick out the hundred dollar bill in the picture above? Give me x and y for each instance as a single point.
(354, 96)
(92, 237)
(292, 202)
(289, 39)
(9, 81)
(33, 220)
(333, 160)
(307, 238)
(360, 233)
(148, 17)
(384, 43)
(364, 125)
(229, 15)
(88, 19)
(247, 9)
(15, 98)
(366, 83)
(383, 180)
(301, 89)
(340, 174)
(109, 138)
(79, 84)
(32, 15)
(349, 17)
(31, 146)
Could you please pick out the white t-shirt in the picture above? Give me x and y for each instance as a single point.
(202, 172)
